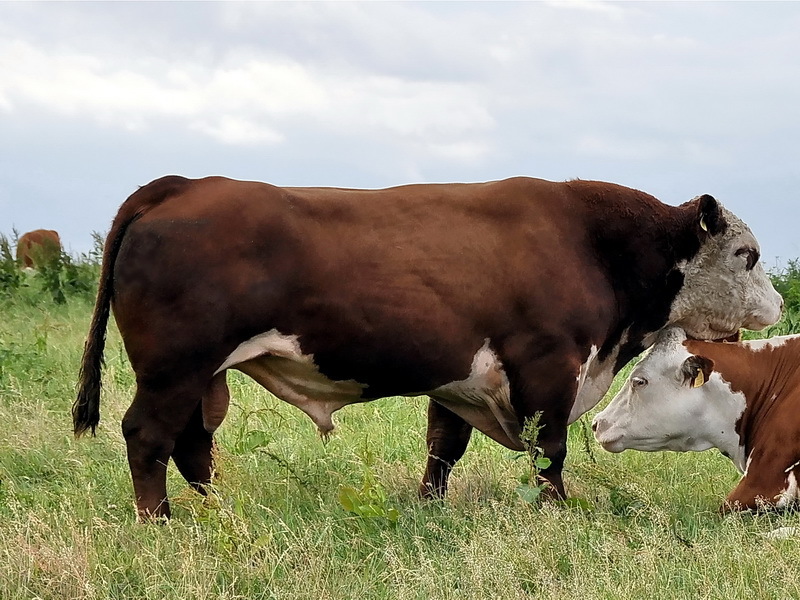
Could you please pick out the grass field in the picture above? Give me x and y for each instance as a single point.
(276, 528)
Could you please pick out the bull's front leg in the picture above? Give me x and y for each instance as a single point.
(548, 387)
(554, 447)
(447, 439)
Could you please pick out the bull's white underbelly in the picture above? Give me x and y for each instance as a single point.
(277, 362)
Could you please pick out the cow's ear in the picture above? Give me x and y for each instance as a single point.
(696, 370)
(709, 218)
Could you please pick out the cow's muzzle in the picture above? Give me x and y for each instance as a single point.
(605, 435)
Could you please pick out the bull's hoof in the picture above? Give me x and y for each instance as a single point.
(429, 492)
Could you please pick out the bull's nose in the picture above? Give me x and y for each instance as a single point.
(594, 425)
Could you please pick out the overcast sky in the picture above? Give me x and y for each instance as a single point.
(676, 99)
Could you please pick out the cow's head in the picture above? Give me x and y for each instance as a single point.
(725, 286)
(673, 400)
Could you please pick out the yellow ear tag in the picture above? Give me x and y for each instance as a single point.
(699, 380)
(704, 227)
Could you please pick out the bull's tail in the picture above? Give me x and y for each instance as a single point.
(86, 409)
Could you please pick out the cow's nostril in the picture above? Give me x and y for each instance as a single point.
(594, 426)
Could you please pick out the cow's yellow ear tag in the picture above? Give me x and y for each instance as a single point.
(699, 380)
(704, 227)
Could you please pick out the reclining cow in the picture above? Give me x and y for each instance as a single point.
(742, 398)
(498, 300)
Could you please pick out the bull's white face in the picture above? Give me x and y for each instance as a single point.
(673, 400)
(725, 286)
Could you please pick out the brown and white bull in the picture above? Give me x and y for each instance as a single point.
(742, 398)
(495, 299)
(38, 247)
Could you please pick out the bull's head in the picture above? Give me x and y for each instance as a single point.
(725, 286)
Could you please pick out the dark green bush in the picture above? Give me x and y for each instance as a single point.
(11, 276)
(787, 281)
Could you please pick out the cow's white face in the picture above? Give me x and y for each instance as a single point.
(725, 286)
(673, 400)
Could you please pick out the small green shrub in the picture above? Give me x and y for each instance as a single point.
(369, 502)
(531, 485)
(11, 276)
(787, 281)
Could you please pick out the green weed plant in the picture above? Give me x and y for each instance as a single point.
(531, 484)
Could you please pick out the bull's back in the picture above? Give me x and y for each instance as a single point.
(447, 239)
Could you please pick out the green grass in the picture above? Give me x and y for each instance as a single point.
(275, 527)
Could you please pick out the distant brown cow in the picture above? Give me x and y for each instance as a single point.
(498, 300)
(37, 247)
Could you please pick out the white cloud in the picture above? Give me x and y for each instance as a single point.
(264, 86)
(243, 99)
(588, 6)
(466, 152)
(408, 108)
(616, 148)
(237, 131)
(74, 84)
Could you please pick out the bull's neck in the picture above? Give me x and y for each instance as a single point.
(641, 246)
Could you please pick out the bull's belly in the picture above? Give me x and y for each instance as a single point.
(277, 363)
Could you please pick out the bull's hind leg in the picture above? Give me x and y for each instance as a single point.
(152, 426)
(447, 438)
(193, 452)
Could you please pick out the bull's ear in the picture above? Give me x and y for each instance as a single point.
(709, 218)
(696, 370)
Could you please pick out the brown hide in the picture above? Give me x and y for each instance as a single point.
(38, 247)
(394, 290)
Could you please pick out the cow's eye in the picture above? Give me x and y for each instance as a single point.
(638, 382)
(750, 254)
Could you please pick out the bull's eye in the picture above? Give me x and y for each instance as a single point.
(638, 382)
(750, 254)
